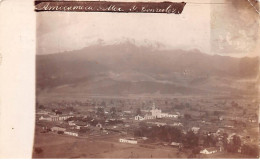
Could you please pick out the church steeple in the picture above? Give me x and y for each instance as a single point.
(153, 107)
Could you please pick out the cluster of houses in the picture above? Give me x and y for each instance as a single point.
(48, 116)
(208, 151)
(155, 113)
(65, 131)
(55, 117)
(211, 125)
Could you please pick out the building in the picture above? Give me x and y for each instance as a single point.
(164, 115)
(208, 151)
(195, 129)
(156, 112)
(71, 123)
(174, 144)
(45, 117)
(175, 124)
(60, 118)
(99, 125)
(54, 117)
(149, 117)
(138, 117)
(131, 141)
(71, 133)
(56, 129)
(42, 112)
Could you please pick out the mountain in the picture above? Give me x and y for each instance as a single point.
(126, 68)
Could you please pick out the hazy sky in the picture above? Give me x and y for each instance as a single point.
(193, 29)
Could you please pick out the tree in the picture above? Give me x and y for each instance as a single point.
(103, 103)
(234, 145)
(38, 150)
(138, 111)
(225, 141)
(196, 150)
(60, 132)
(236, 141)
(58, 112)
(209, 141)
(191, 140)
(187, 116)
(187, 105)
(41, 107)
(100, 111)
(113, 110)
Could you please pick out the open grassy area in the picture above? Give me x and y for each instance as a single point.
(62, 146)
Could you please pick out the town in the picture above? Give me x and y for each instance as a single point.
(185, 127)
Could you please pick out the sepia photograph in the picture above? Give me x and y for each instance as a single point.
(149, 85)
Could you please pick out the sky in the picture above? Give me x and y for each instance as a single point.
(225, 29)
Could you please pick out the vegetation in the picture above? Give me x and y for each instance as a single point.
(38, 150)
(251, 150)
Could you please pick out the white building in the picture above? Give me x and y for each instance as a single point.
(138, 117)
(177, 124)
(156, 112)
(54, 118)
(131, 141)
(59, 118)
(208, 151)
(195, 129)
(71, 123)
(175, 144)
(42, 112)
(168, 115)
(57, 129)
(45, 118)
(71, 133)
(149, 117)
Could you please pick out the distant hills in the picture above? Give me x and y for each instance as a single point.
(125, 68)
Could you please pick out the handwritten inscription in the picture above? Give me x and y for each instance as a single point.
(103, 6)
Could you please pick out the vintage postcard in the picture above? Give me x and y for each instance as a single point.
(147, 79)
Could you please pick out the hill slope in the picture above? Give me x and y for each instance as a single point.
(128, 69)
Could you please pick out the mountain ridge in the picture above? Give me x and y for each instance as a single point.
(127, 62)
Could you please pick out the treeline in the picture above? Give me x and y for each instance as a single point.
(168, 134)
(196, 142)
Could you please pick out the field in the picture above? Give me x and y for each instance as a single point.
(62, 146)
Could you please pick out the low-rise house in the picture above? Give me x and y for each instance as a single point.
(80, 124)
(195, 129)
(131, 141)
(56, 129)
(71, 133)
(45, 117)
(149, 117)
(175, 144)
(144, 138)
(60, 118)
(177, 124)
(99, 125)
(168, 115)
(128, 112)
(71, 123)
(208, 151)
(42, 112)
(138, 117)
